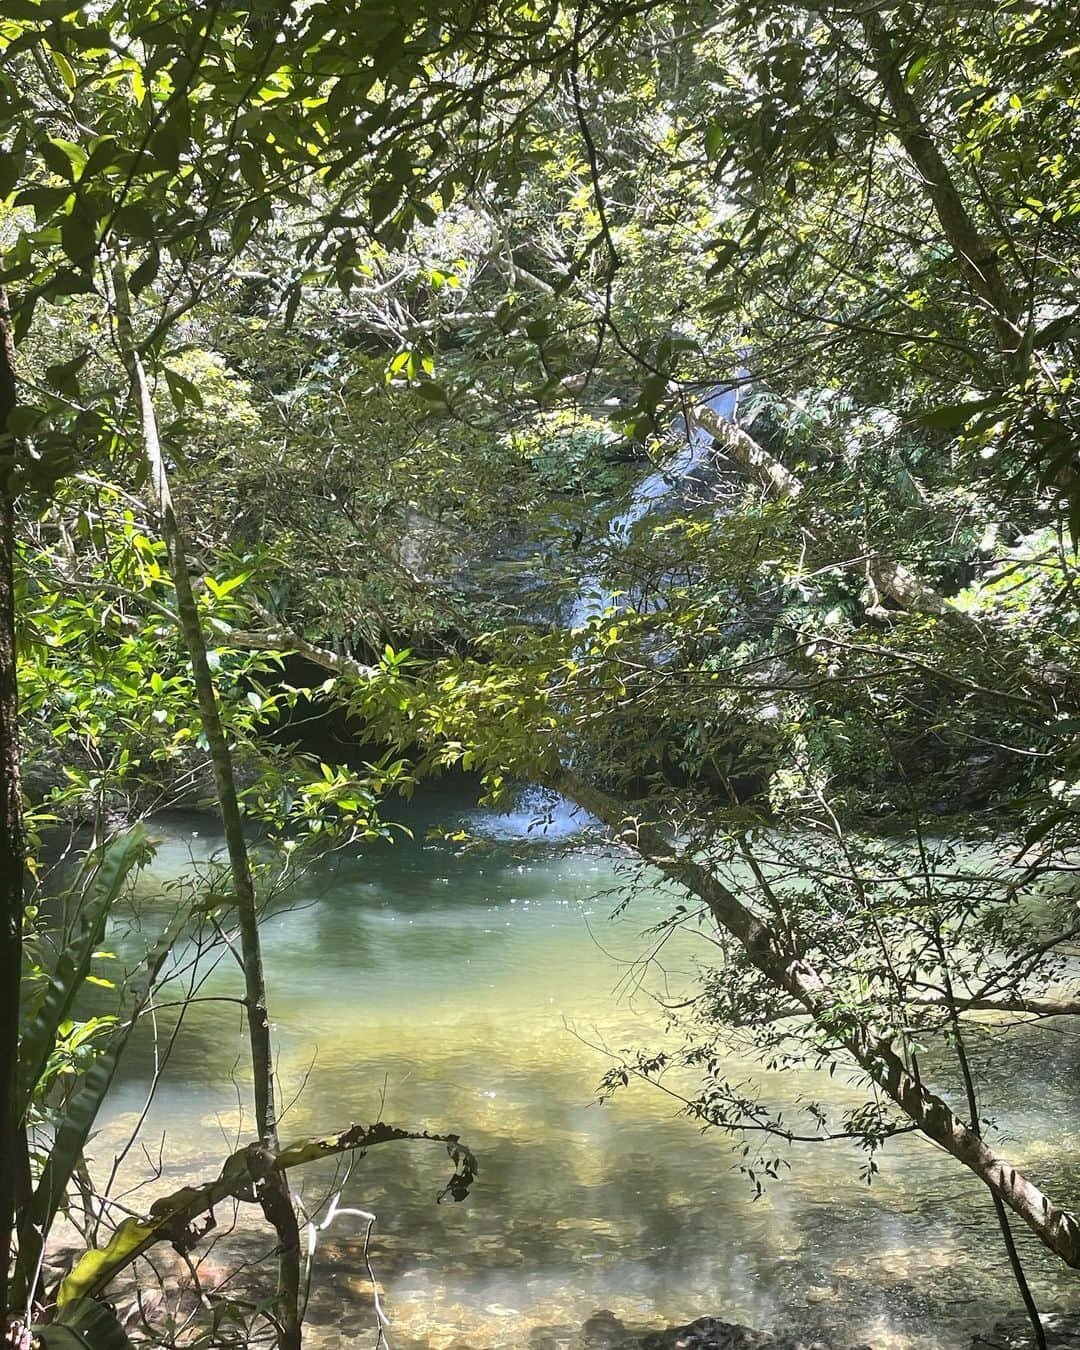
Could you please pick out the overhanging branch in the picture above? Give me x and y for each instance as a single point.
(243, 1177)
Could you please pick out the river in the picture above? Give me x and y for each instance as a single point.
(469, 989)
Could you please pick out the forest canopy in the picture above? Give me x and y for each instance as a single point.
(671, 406)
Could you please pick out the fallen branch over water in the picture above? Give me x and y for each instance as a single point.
(248, 1174)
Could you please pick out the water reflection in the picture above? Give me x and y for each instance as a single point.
(454, 991)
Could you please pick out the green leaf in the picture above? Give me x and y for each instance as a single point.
(715, 140)
(64, 375)
(83, 1324)
(80, 1113)
(135, 220)
(167, 143)
(1063, 327)
(382, 200)
(11, 169)
(68, 282)
(39, 1039)
(916, 69)
(63, 66)
(95, 1268)
(23, 318)
(950, 416)
(725, 251)
(224, 588)
(146, 271)
(182, 390)
(74, 154)
(105, 151)
(1042, 828)
(78, 234)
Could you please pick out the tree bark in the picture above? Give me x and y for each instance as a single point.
(274, 1187)
(12, 859)
(778, 959)
(224, 782)
(975, 257)
(272, 1193)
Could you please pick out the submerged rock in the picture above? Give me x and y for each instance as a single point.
(605, 1331)
(1062, 1333)
(709, 1333)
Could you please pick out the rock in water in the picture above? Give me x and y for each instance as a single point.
(1062, 1333)
(604, 1331)
(709, 1333)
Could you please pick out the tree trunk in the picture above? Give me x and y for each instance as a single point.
(12, 860)
(224, 783)
(273, 1187)
(778, 959)
(976, 259)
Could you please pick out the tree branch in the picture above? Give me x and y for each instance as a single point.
(171, 1218)
(779, 960)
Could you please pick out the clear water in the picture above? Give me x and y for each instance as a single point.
(469, 991)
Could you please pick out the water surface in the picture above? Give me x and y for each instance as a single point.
(473, 991)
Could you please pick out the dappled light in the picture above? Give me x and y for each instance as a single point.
(539, 578)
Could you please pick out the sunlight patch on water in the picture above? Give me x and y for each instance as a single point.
(458, 991)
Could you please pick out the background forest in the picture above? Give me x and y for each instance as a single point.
(662, 411)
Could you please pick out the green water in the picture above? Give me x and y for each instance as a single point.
(467, 992)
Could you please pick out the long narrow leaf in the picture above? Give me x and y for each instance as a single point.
(93, 1272)
(83, 1325)
(79, 1116)
(39, 1038)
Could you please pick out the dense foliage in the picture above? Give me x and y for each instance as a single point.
(411, 309)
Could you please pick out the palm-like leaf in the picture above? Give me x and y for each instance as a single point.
(79, 1115)
(83, 1325)
(39, 1038)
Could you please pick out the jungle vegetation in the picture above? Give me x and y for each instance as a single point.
(315, 314)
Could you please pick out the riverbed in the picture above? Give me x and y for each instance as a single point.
(478, 987)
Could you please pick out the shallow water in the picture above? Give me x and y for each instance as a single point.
(468, 991)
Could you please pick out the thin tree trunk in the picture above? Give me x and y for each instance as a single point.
(1013, 1256)
(778, 959)
(224, 782)
(12, 860)
(275, 1196)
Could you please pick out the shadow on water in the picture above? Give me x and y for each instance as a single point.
(440, 989)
